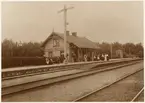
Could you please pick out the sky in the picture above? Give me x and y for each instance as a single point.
(99, 21)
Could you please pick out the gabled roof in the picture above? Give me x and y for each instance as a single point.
(80, 42)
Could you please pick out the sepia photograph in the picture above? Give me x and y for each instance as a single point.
(72, 51)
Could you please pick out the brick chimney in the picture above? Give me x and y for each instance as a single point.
(74, 34)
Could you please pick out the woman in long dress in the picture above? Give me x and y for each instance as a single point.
(47, 60)
(85, 58)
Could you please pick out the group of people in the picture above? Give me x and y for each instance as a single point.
(61, 59)
(55, 60)
(103, 57)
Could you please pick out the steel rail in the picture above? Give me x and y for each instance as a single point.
(67, 77)
(104, 87)
(137, 95)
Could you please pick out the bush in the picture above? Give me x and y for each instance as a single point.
(22, 61)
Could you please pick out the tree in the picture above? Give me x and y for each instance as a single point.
(105, 47)
(139, 50)
(7, 47)
(15, 49)
(117, 46)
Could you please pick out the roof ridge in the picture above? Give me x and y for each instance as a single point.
(79, 41)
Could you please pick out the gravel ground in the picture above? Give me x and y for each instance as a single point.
(16, 81)
(71, 89)
(122, 91)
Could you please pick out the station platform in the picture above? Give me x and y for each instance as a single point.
(43, 76)
(33, 78)
(53, 65)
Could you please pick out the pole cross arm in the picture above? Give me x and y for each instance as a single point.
(61, 11)
(69, 8)
(65, 9)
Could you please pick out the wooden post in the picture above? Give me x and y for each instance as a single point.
(78, 54)
(65, 29)
(92, 55)
(81, 54)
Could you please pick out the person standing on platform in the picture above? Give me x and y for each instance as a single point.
(47, 60)
(85, 58)
(105, 57)
(62, 58)
(94, 59)
(66, 59)
(98, 57)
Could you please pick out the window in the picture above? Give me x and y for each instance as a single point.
(50, 54)
(55, 42)
(61, 52)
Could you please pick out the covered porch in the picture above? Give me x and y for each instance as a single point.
(77, 53)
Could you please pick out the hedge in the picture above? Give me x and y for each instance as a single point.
(8, 62)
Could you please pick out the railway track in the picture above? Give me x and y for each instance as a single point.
(50, 90)
(137, 95)
(29, 85)
(107, 86)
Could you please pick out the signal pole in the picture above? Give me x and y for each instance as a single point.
(65, 28)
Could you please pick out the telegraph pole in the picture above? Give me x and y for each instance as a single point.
(65, 28)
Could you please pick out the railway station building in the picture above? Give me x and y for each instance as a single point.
(53, 46)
